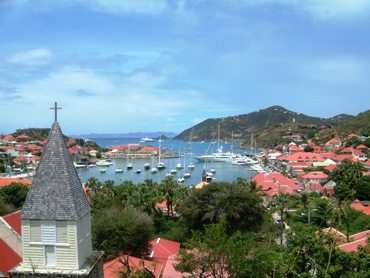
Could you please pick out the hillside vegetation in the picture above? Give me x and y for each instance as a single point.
(266, 125)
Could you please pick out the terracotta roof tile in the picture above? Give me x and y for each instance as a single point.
(14, 221)
(8, 258)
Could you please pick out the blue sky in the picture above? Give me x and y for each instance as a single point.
(125, 66)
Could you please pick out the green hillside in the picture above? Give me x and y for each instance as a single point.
(274, 120)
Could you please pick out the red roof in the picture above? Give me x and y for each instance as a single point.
(352, 246)
(317, 187)
(163, 248)
(8, 138)
(358, 239)
(8, 258)
(163, 257)
(315, 175)
(331, 167)
(353, 151)
(333, 140)
(304, 156)
(8, 181)
(276, 183)
(112, 268)
(14, 221)
(357, 205)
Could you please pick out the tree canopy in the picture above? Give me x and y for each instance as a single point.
(241, 207)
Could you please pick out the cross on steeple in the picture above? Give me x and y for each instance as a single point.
(56, 108)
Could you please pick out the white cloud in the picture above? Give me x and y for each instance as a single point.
(318, 9)
(335, 8)
(128, 6)
(34, 57)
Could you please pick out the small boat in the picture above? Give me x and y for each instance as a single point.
(244, 161)
(213, 170)
(191, 166)
(154, 170)
(78, 166)
(118, 170)
(181, 179)
(104, 163)
(138, 171)
(187, 175)
(147, 166)
(161, 166)
(129, 166)
(102, 170)
(173, 171)
(146, 139)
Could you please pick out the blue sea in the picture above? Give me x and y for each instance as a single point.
(224, 171)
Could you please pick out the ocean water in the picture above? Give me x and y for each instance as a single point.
(225, 172)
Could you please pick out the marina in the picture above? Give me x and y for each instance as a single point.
(189, 174)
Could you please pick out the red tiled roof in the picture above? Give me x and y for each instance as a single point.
(331, 167)
(8, 138)
(163, 248)
(8, 258)
(353, 151)
(317, 187)
(14, 221)
(8, 181)
(333, 140)
(304, 156)
(112, 268)
(335, 233)
(315, 175)
(352, 246)
(360, 235)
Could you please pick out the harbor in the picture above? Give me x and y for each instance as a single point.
(177, 165)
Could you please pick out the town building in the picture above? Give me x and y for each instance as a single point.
(56, 228)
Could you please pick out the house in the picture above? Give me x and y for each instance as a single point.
(313, 177)
(357, 205)
(160, 261)
(275, 183)
(301, 157)
(315, 187)
(366, 164)
(355, 153)
(272, 155)
(4, 181)
(334, 142)
(356, 240)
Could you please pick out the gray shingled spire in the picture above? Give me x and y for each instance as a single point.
(56, 192)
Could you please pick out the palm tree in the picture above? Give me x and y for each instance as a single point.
(109, 188)
(93, 184)
(167, 189)
(280, 204)
(306, 201)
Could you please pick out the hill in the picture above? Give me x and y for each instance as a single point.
(273, 121)
(359, 125)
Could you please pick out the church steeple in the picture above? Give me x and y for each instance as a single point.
(56, 225)
(56, 191)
